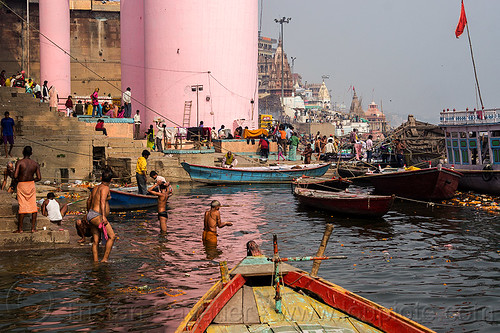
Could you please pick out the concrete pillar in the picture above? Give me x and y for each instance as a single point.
(132, 52)
(55, 64)
(195, 37)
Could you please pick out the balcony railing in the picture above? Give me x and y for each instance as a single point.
(488, 116)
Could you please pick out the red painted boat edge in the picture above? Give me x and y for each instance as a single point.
(218, 303)
(352, 304)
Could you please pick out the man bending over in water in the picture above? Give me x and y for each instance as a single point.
(211, 222)
(98, 210)
(162, 195)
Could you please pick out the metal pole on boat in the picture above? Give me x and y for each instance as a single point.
(474, 65)
(277, 297)
(321, 249)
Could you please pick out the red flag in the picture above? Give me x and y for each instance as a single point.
(461, 22)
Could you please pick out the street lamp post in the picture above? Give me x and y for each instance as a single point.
(281, 21)
(293, 63)
(197, 88)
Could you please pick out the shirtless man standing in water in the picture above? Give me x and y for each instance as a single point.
(211, 222)
(98, 210)
(162, 195)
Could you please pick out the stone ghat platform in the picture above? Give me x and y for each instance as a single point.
(116, 127)
(48, 234)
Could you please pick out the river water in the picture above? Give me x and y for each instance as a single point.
(438, 266)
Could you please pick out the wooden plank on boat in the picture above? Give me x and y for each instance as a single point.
(264, 297)
(262, 328)
(227, 329)
(250, 311)
(258, 266)
(295, 306)
(284, 327)
(241, 309)
(218, 303)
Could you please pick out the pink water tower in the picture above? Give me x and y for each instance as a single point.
(199, 51)
(132, 52)
(55, 65)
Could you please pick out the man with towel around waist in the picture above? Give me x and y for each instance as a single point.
(98, 210)
(26, 174)
(211, 222)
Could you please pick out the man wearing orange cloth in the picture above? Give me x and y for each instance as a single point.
(26, 174)
(211, 222)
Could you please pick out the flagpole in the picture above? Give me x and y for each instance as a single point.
(474, 66)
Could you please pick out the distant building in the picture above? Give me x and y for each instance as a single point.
(376, 121)
(265, 58)
(356, 109)
(275, 75)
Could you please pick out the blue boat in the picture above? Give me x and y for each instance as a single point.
(126, 198)
(282, 173)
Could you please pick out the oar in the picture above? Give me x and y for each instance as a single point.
(321, 249)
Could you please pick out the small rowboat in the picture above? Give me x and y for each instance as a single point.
(126, 198)
(324, 184)
(362, 205)
(245, 301)
(282, 173)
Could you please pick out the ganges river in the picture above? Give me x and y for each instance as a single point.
(438, 266)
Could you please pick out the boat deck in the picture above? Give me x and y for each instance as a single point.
(252, 306)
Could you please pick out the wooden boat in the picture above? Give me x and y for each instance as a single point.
(363, 205)
(473, 148)
(323, 184)
(245, 301)
(282, 173)
(421, 184)
(126, 198)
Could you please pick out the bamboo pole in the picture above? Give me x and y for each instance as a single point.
(321, 250)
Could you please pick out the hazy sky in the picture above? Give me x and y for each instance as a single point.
(401, 52)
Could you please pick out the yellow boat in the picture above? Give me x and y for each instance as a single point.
(246, 301)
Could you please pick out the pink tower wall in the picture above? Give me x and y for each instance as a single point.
(184, 40)
(132, 52)
(55, 65)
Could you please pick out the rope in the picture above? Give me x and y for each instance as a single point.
(119, 89)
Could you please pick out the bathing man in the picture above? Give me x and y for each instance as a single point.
(211, 222)
(162, 195)
(98, 210)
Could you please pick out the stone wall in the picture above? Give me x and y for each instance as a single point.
(95, 41)
(241, 146)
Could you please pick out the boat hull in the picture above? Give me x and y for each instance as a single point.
(361, 205)
(481, 181)
(257, 175)
(424, 184)
(125, 199)
(334, 184)
(243, 304)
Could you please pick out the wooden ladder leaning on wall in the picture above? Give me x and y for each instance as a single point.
(185, 123)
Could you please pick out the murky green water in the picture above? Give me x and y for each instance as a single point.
(440, 267)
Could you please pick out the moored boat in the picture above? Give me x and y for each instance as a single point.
(324, 184)
(126, 198)
(362, 205)
(248, 301)
(421, 184)
(282, 173)
(473, 148)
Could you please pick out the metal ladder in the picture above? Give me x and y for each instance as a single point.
(187, 113)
